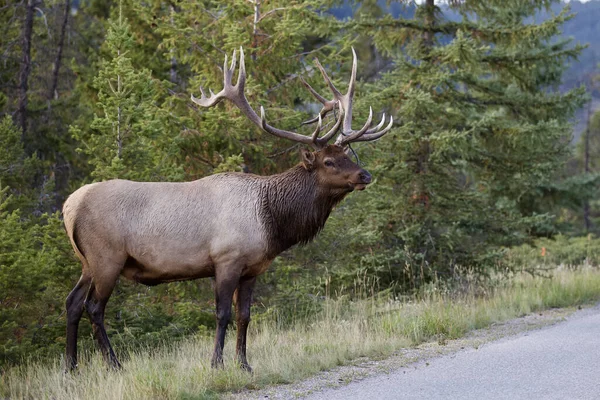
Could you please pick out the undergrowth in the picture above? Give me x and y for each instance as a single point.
(343, 331)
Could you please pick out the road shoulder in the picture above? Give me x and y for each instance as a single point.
(407, 357)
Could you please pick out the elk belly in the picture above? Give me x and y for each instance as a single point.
(167, 263)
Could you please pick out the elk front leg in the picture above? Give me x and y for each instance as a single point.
(242, 311)
(225, 285)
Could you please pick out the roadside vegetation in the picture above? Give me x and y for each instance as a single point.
(344, 330)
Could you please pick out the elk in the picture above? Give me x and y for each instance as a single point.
(228, 226)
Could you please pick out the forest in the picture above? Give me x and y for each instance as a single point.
(479, 169)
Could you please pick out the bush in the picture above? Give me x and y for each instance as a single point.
(561, 250)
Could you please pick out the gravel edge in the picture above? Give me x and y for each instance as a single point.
(364, 368)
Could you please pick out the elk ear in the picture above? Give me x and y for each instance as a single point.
(308, 158)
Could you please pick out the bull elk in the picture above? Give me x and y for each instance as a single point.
(229, 226)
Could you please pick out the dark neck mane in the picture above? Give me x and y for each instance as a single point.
(294, 208)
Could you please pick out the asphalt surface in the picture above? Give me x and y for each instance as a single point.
(557, 362)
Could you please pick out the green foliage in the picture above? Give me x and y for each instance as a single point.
(36, 267)
(546, 253)
(16, 169)
(231, 164)
(124, 140)
(482, 131)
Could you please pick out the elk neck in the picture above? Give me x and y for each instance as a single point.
(295, 207)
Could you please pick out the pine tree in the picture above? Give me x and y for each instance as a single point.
(580, 204)
(129, 138)
(483, 128)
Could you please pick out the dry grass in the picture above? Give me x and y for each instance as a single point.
(345, 331)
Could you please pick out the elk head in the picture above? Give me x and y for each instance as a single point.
(335, 170)
(331, 162)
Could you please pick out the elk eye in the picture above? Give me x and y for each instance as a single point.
(328, 163)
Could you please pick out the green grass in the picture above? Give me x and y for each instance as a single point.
(344, 332)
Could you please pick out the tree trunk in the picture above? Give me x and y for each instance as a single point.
(255, 28)
(422, 197)
(52, 92)
(173, 70)
(61, 165)
(429, 22)
(21, 115)
(586, 163)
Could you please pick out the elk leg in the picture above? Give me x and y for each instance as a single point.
(224, 288)
(95, 304)
(74, 306)
(243, 300)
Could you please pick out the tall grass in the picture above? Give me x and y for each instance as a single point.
(342, 332)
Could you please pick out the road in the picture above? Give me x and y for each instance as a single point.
(558, 362)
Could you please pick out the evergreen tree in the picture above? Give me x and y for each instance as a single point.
(16, 169)
(581, 212)
(483, 128)
(129, 138)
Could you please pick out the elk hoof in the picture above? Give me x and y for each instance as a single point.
(71, 368)
(116, 366)
(216, 363)
(246, 367)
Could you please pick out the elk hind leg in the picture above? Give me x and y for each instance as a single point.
(95, 304)
(74, 305)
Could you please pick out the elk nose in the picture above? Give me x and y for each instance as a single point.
(365, 177)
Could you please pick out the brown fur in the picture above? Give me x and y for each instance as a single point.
(229, 226)
(294, 209)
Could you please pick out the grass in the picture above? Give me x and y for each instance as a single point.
(344, 332)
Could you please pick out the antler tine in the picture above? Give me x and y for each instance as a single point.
(328, 105)
(228, 71)
(324, 111)
(336, 93)
(235, 93)
(312, 91)
(367, 137)
(347, 98)
(325, 138)
(341, 140)
(352, 83)
(241, 82)
(315, 134)
(344, 101)
(263, 119)
(376, 127)
(207, 101)
(213, 99)
(366, 133)
(312, 120)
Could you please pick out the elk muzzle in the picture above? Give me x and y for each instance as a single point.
(364, 178)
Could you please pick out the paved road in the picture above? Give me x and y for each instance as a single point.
(558, 362)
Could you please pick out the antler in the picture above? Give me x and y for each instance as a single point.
(235, 93)
(344, 102)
